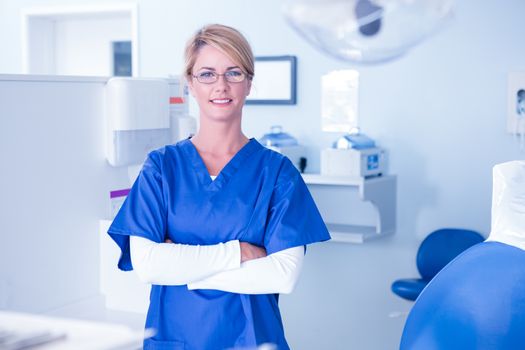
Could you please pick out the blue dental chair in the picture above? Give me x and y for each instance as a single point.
(435, 252)
(477, 302)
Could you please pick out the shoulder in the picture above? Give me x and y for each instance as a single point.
(288, 172)
(154, 161)
(282, 167)
(159, 158)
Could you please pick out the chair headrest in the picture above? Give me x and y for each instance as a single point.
(508, 204)
(441, 247)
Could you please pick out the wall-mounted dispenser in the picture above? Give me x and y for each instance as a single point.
(182, 124)
(138, 119)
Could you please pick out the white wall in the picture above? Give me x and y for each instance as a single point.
(439, 111)
(55, 185)
(84, 46)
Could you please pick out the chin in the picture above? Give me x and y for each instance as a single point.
(224, 115)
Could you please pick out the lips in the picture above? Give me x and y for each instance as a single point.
(221, 101)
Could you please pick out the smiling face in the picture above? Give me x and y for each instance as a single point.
(221, 100)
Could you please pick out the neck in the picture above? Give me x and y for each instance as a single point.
(219, 137)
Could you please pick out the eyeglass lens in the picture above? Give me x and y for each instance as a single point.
(209, 77)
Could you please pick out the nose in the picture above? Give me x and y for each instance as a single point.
(221, 84)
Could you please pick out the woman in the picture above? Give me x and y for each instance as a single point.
(217, 223)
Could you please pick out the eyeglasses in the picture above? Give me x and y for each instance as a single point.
(210, 77)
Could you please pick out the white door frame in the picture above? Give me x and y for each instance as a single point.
(51, 13)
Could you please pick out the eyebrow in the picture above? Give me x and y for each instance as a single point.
(213, 69)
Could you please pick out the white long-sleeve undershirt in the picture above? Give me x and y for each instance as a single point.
(275, 273)
(180, 264)
(215, 267)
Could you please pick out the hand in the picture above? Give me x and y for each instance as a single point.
(168, 240)
(250, 252)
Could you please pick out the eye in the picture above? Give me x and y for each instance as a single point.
(206, 75)
(233, 73)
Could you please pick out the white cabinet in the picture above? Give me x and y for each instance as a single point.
(379, 191)
(123, 291)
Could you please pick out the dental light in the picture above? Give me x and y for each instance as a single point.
(366, 31)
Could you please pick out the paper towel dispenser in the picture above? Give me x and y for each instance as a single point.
(138, 120)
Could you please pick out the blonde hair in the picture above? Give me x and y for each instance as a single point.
(225, 39)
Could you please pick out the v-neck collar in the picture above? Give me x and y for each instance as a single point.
(226, 172)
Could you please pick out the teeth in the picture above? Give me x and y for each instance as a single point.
(221, 101)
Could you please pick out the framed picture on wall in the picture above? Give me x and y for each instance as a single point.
(274, 82)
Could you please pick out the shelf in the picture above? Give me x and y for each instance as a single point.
(318, 179)
(380, 191)
(354, 233)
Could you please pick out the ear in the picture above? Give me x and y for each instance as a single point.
(249, 87)
(190, 86)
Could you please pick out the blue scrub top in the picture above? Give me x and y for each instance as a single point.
(258, 197)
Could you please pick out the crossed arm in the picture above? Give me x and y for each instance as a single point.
(234, 266)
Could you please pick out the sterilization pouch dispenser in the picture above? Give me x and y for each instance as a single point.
(285, 144)
(353, 154)
(138, 121)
